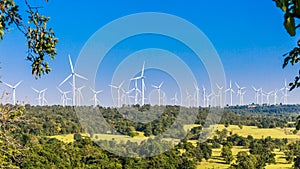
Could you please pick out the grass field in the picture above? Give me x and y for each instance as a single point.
(261, 133)
(216, 161)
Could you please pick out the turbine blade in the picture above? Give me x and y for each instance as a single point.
(237, 85)
(82, 77)
(65, 80)
(161, 84)
(71, 64)
(8, 85)
(143, 69)
(18, 84)
(60, 90)
(34, 89)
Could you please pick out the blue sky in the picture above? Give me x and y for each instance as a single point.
(248, 36)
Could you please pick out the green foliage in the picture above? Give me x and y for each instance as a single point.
(291, 9)
(226, 153)
(41, 41)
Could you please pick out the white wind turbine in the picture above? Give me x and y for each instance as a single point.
(204, 96)
(220, 94)
(39, 92)
(119, 88)
(175, 99)
(44, 100)
(242, 96)
(64, 99)
(240, 93)
(231, 91)
(73, 75)
(79, 95)
(95, 99)
(158, 90)
(262, 94)
(285, 91)
(275, 96)
(196, 96)
(188, 98)
(256, 93)
(268, 97)
(126, 96)
(137, 90)
(14, 90)
(142, 77)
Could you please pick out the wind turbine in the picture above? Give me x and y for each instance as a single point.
(14, 90)
(126, 95)
(275, 96)
(142, 77)
(262, 94)
(196, 100)
(96, 100)
(285, 91)
(268, 97)
(188, 98)
(239, 93)
(256, 93)
(118, 90)
(242, 96)
(63, 97)
(79, 95)
(204, 96)
(137, 90)
(220, 94)
(158, 90)
(73, 75)
(39, 92)
(175, 99)
(231, 92)
(44, 100)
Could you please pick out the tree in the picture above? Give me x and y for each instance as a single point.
(226, 153)
(245, 161)
(291, 8)
(41, 41)
(10, 149)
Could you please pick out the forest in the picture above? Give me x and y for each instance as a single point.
(29, 137)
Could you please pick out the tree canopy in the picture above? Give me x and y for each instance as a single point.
(40, 40)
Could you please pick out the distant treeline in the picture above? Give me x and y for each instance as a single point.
(53, 120)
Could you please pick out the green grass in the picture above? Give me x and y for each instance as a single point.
(260, 133)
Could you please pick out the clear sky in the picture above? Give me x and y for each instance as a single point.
(248, 36)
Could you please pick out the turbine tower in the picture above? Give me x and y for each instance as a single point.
(63, 98)
(44, 100)
(175, 99)
(73, 75)
(256, 94)
(39, 92)
(231, 91)
(137, 90)
(220, 95)
(275, 96)
(119, 88)
(79, 95)
(204, 96)
(14, 90)
(196, 100)
(126, 95)
(285, 91)
(158, 90)
(268, 97)
(240, 93)
(188, 98)
(96, 100)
